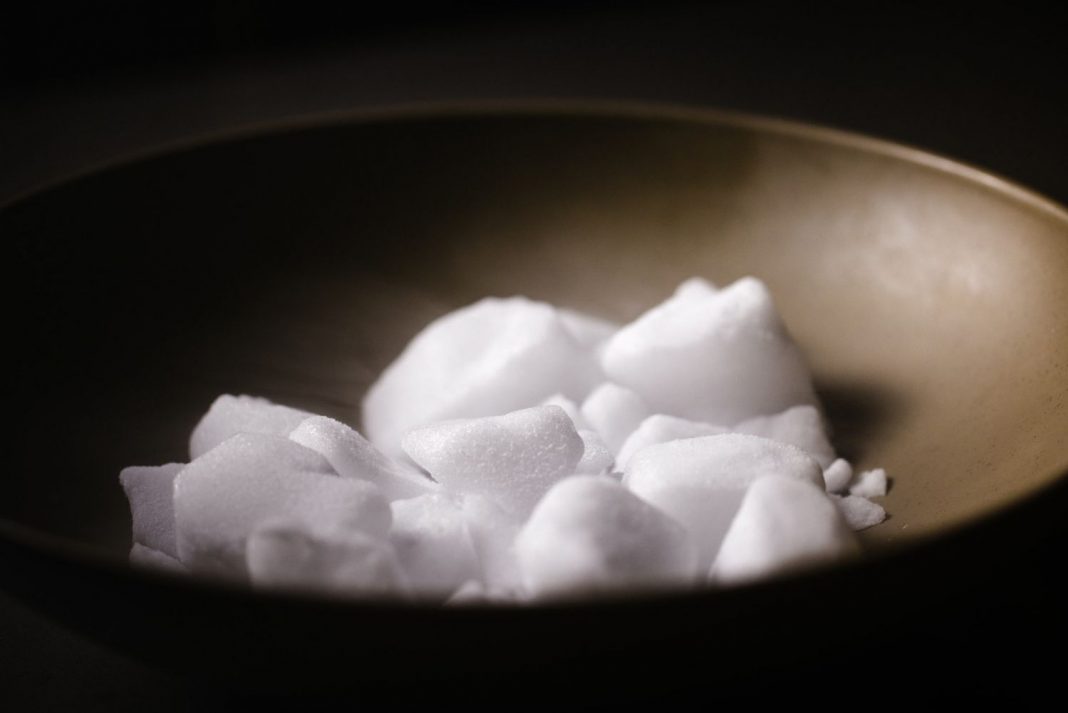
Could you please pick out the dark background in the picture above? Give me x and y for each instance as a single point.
(85, 83)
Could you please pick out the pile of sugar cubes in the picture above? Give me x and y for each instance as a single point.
(518, 452)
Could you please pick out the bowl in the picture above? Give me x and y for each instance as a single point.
(294, 261)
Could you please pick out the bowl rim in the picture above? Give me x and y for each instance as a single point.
(49, 546)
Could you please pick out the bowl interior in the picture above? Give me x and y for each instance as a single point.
(296, 264)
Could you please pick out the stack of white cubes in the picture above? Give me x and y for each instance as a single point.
(519, 452)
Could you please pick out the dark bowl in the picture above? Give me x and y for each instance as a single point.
(295, 261)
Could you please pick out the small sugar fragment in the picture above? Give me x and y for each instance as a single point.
(596, 458)
(614, 412)
(148, 558)
(590, 534)
(869, 484)
(783, 524)
(289, 554)
(221, 497)
(230, 415)
(859, 512)
(433, 547)
(353, 456)
(150, 490)
(513, 459)
(838, 475)
(701, 481)
(800, 426)
(716, 356)
(660, 428)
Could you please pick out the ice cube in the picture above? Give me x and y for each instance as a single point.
(291, 554)
(596, 458)
(860, 512)
(783, 524)
(701, 481)
(870, 484)
(433, 548)
(513, 459)
(800, 426)
(589, 534)
(353, 456)
(614, 412)
(225, 494)
(490, 358)
(150, 490)
(713, 356)
(660, 428)
(230, 415)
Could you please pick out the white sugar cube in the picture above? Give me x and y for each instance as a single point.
(589, 534)
(783, 524)
(513, 459)
(225, 494)
(660, 428)
(837, 475)
(614, 412)
(290, 554)
(800, 426)
(433, 548)
(493, 532)
(701, 481)
(596, 458)
(148, 558)
(230, 415)
(860, 512)
(353, 456)
(870, 484)
(490, 358)
(714, 356)
(150, 490)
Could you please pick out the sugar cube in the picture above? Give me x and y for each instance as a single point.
(800, 426)
(353, 456)
(150, 490)
(589, 534)
(221, 497)
(701, 481)
(513, 459)
(717, 356)
(433, 547)
(614, 412)
(490, 358)
(783, 524)
(291, 554)
(230, 415)
(661, 428)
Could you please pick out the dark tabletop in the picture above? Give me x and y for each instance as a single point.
(78, 89)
